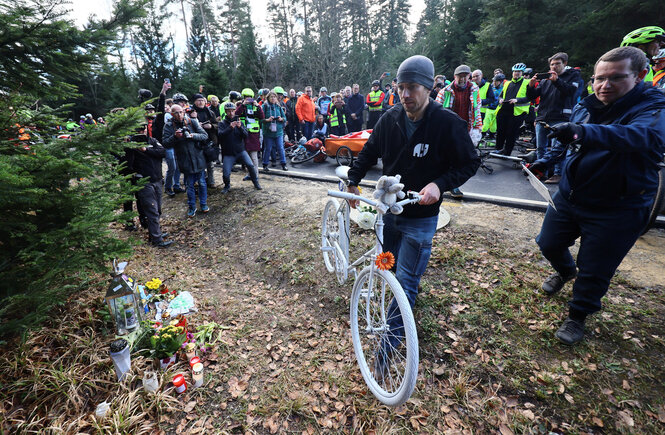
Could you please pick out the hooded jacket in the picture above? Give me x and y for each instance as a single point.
(188, 151)
(439, 151)
(147, 163)
(621, 147)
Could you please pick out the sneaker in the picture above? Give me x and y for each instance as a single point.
(178, 189)
(226, 189)
(205, 208)
(130, 227)
(170, 193)
(555, 282)
(456, 193)
(191, 212)
(570, 332)
(246, 178)
(554, 179)
(266, 168)
(257, 186)
(284, 168)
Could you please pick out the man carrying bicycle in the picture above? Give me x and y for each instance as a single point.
(431, 149)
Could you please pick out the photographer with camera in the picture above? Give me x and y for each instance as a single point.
(557, 89)
(232, 134)
(185, 135)
(208, 120)
(146, 162)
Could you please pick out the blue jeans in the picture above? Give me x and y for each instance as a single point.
(273, 143)
(172, 171)
(543, 143)
(410, 241)
(229, 161)
(190, 179)
(606, 235)
(307, 129)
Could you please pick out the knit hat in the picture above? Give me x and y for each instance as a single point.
(197, 96)
(462, 69)
(417, 69)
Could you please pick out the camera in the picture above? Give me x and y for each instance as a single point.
(542, 76)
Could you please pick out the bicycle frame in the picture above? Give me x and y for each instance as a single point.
(344, 222)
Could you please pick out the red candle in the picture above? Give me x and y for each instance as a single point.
(194, 360)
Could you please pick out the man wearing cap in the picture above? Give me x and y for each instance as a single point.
(374, 103)
(431, 149)
(462, 96)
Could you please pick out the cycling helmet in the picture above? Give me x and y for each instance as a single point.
(660, 55)
(519, 67)
(376, 83)
(88, 115)
(247, 92)
(180, 97)
(234, 95)
(145, 94)
(278, 90)
(499, 77)
(528, 71)
(643, 35)
(229, 105)
(323, 89)
(149, 107)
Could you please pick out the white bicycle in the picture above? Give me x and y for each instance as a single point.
(385, 347)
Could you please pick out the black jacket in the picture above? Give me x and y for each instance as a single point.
(232, 139)
(188, 151)
(557, 99)
(356, 104)
(439, 151)
(147, 163)
(206, 114)
(291, 109)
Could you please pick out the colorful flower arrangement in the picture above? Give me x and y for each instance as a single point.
(154, 284)
(166, 341)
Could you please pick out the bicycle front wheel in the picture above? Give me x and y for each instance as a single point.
(384, 335)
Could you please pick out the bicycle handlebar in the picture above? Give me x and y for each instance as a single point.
(412, 197)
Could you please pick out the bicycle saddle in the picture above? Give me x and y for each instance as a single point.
(342, 172)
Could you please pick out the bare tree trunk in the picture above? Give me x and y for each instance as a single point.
(184, 20)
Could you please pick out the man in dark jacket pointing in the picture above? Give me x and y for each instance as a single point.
(608, 183)
(430, 148)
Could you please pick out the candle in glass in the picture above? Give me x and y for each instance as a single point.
(197, 375)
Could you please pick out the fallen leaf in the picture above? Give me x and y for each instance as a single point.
(505, 430)
(528, 414)
(598, 422)
(661, 414)
(190, 406)
(569, 398)
(626, 419)
(625, 385)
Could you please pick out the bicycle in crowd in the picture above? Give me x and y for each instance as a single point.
(387, 352)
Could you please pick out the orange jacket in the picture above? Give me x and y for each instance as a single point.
(305, 109)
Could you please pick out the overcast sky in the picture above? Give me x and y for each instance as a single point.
(82, 9)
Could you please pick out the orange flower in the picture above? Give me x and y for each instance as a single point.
(385, 260)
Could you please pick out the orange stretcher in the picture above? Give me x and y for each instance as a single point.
(345, 148)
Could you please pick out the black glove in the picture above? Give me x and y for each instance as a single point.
(538, 169)
(567, 133)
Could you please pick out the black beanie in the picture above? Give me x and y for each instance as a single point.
(417, 69)
(197, 96)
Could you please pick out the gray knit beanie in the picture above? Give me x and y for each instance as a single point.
(417, 69)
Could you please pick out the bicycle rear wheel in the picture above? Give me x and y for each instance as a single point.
(329, 233)
(387, 355)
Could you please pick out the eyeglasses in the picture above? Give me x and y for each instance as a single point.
(613, 79)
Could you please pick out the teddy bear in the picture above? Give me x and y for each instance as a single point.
(388, 191)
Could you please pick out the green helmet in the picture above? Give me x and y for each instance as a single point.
(278, 90)
(643, 35)
(247, 92)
